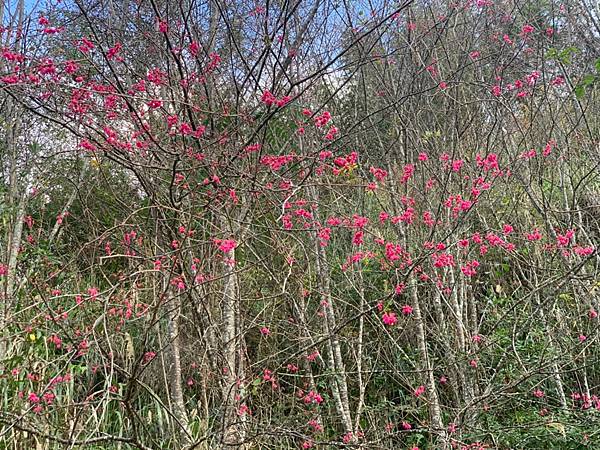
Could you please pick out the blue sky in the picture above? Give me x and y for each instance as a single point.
(31, 4)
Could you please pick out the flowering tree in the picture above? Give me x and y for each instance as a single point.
(299, 225)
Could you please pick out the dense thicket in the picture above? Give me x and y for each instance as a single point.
(299, 224)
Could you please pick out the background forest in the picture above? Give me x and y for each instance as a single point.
(229, 224)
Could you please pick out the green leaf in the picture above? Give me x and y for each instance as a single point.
(552, 53)
(565, 297)
(579, 91)
(565, 55)
(588, 80)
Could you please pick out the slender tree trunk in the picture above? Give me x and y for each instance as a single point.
(172, 355)
(435, 414)
(335, 359)
(174, 361)
(9, 291)
(233, 428)
(359, 351)
(460, 339)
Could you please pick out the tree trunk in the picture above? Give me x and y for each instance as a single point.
(340, 386)
(174, 362)
(435, 415)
